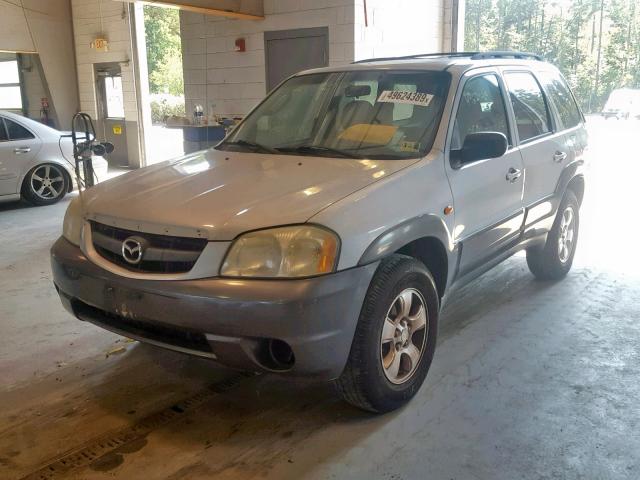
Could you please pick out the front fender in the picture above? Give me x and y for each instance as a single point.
(392, 240)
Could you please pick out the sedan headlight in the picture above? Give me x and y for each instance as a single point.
(290, 252)
(73, 222)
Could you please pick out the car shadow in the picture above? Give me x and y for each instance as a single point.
(15, 205)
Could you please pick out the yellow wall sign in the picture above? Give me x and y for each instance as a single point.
(117, 129)
(100, 44)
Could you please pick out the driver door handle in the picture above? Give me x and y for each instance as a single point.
(559, 156)
(20, 150)
(513, 174)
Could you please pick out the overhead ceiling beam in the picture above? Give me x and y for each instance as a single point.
(239, 9)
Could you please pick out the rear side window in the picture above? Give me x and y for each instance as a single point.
(561, 97)
(529, 105)
(17, 131)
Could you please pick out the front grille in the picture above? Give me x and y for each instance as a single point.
(159, 332)
(162, 253)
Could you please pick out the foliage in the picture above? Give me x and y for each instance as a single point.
(164, 55)
(164, 105)
(595, 43)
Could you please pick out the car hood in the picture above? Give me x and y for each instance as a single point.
(218, 194)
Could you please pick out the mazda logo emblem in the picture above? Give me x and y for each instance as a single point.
(133, 249)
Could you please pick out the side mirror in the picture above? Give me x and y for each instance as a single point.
(479, 146)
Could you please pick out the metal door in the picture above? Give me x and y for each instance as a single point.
(545, 149)
(111, 121)
(487, 193)
(290, 51)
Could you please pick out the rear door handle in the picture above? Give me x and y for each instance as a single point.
(513, 174)
(559, 156)
(20, 150)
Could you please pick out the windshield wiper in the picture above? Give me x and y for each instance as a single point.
(253, 145)
(319, 149)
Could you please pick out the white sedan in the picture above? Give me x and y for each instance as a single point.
(36, 161)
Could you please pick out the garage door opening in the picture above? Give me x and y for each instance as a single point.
(166, 84)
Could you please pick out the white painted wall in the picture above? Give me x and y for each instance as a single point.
(87, 26)
(44, 27)
(235, 81)
(111, 20)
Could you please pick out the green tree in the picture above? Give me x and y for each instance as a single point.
(164, 51)
(595, 43)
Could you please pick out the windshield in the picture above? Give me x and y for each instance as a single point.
(381, 114)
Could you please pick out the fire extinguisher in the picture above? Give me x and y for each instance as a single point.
(44, 111)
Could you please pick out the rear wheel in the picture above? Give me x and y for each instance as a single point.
(45, 184)
(395, 338)
(553, 261)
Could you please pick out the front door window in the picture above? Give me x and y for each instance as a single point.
(481, 109)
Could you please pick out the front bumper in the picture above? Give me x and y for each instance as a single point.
(229, 320)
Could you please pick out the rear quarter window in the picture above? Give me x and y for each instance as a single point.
(529, 105)
(17, 131)
(562, 99)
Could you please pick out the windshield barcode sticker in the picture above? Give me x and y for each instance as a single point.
(410, 98)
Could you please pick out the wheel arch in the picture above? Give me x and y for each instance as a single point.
(576, 185)
(572, 177)
(425, 238)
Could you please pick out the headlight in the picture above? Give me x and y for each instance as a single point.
(73, 222)
(297, 251)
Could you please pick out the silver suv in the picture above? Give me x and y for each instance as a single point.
(321, 238)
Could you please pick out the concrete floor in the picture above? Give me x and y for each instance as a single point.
(530, 380)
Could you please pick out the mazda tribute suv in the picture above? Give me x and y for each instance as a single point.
(322, 236)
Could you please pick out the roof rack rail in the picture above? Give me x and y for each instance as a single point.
(471, 55)
(507, 54)
(418, 55)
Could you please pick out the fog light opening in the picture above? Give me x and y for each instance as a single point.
(280, 354)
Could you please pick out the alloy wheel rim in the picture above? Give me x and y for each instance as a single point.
(404, 336)
(567, 233)
(47, 182)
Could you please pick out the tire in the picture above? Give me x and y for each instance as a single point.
(45, 184)
(365, 382)
(551, 262)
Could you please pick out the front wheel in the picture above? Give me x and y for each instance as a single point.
(553, 261)
(395, 338)
(45, 184)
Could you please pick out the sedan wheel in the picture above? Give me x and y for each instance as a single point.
(45, 184)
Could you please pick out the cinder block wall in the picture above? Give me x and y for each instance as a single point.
(87, 25)
(235, 81)
(114, 25)
(44, 27)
